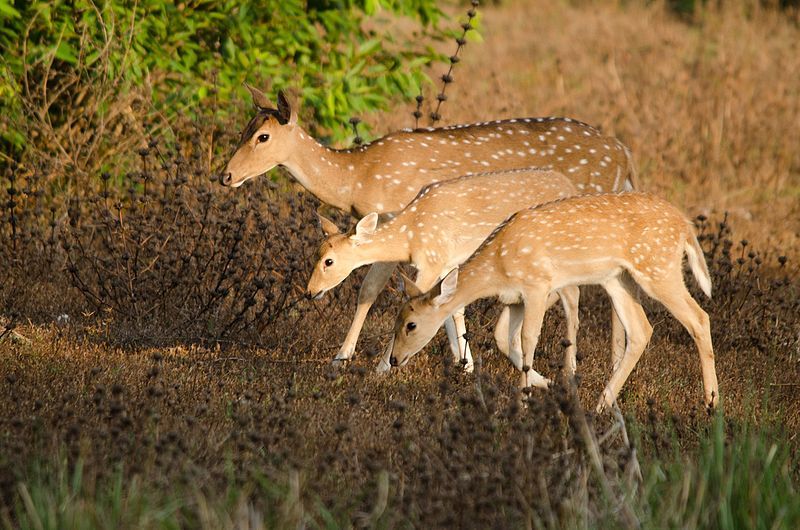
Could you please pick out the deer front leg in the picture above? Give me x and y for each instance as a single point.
(384, 365)
(570, 297)
(510, 322)
(512, 341)
(617, 339)
(501, 331)
(374, 282)
(452, 336)
(535, 306)
(454, 326)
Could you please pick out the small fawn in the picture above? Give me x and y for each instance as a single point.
(437, 231)
(593, 239)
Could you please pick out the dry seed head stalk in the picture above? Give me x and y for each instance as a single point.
(448, 77)
(354, 121)
(418, 111)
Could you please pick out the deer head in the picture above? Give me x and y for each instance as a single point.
(421, 317)
(266, 142)
(337, 258)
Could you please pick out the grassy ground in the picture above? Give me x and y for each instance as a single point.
(182, 407)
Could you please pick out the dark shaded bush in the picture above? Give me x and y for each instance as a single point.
(691, 10)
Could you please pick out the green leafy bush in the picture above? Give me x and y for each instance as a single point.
(77, 76)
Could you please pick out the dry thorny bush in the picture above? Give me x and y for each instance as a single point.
(162, 254)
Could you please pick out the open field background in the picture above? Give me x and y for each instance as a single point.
(159, 366)
(710, 108)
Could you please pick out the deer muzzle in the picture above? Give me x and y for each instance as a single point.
(226, 178)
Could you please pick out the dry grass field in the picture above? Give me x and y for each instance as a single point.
(710, 108)
(160, 367)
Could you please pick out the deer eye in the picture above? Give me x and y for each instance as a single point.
(411, 326)
(328, 262)
(262, 138)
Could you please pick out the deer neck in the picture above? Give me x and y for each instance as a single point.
(326, 173)
(476, 280)
(383, 248)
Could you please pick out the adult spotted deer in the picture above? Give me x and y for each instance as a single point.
(592, 239)
(386, 174)
(437, 231)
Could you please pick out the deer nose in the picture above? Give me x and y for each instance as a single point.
(393, 360)
(225, 179)
(314, 296)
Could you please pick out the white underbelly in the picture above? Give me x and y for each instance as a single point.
(509, 297)
(585, 272)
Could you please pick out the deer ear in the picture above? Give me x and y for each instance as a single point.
(260, 100)
(328, 226)
(286, 111)
(366, 226)
(447, 288)
(409, 287)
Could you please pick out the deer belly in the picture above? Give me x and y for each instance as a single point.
(585, 271)
(509, 297)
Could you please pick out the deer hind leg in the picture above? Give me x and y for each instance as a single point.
(633, 321)
(617, 329)
(373, 284)
(672, 292)
(570, 297)
(617, 340)
(535, 307)
(501, 331)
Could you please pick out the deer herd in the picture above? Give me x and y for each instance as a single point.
(525, 210)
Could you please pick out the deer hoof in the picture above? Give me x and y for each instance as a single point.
(345, 354)
(338, 362)
(383, 367)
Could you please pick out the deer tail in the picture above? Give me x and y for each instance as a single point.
(697, 262)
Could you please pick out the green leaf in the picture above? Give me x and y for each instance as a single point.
(65, 52)
(369, 47)
(371, 6)
(7, 10)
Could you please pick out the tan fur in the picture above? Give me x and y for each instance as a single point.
(575, 241)
(438, 230)
(441, 227)
(386, 174)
